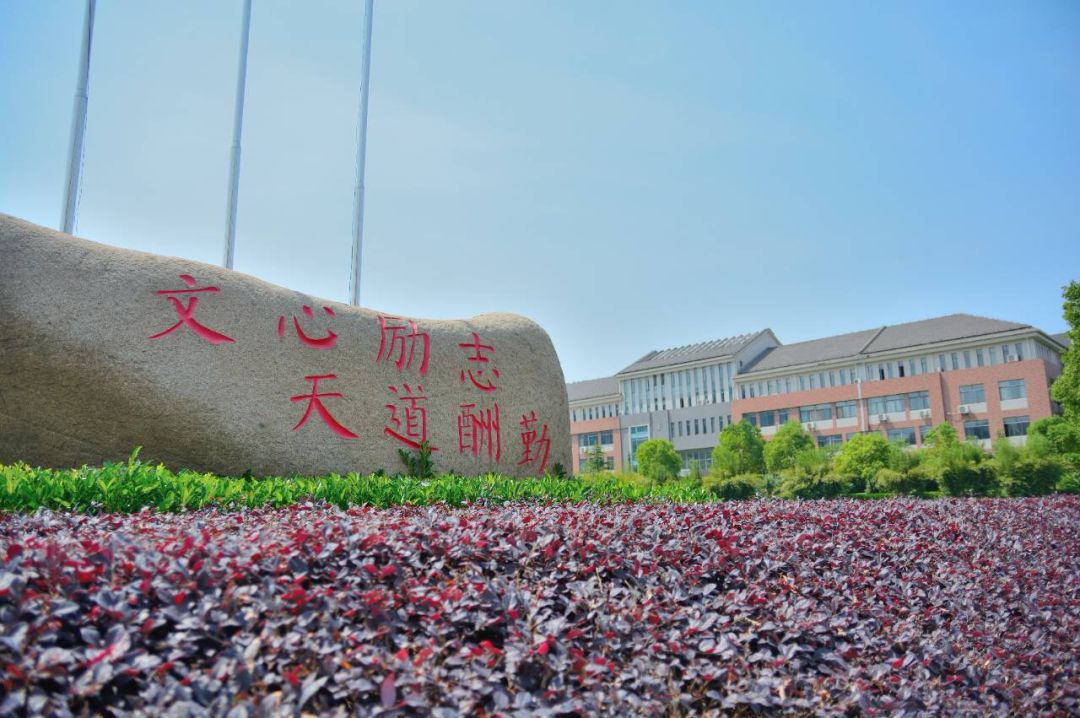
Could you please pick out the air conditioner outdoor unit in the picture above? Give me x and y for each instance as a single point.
(964, 409)
(810, 426)
(924, 414)
(882, 417)
(1009, 359)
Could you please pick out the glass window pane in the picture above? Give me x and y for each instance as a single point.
(977, 429)
(972, 394)
(1016, 426)
(1012, 389)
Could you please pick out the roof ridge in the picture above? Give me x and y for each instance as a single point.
(871, 340)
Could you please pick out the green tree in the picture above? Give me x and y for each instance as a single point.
(1062, 435)
(595, 462)
(1066, 389)
(943, 451)
(658, 460)
(782, 450)
(863, 456)
(741, 450)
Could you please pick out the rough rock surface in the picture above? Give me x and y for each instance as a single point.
(105, 349)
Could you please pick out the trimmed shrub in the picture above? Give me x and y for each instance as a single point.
(1069, 484)
(917, 480)
(798, 485)
(969, 479)
(743, 486)
(1031, 476)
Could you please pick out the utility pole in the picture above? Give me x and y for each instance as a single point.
(361, 158)
(78, 122)
(238, 126)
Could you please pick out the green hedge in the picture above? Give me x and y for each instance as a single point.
(133, 485)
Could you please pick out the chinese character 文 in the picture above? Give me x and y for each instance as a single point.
(412, 429)
(476, 373)
(390, 340)
(325, 342)
(186, 312)
(314, 400)
(531, 442)
(477, 429)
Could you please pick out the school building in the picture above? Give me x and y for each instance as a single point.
(985, 376)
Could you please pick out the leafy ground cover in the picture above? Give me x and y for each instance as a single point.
(827, 607)
(134, 485)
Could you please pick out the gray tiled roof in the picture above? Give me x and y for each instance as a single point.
(870, 341)
(691, 352)
(1062, 338)
(579, 390)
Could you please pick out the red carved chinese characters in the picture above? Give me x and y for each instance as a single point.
(314, 400)
(392, 340)
(325, 342)
(186, 312)
(476, 373)
(534, 447)
(412, 429)
(477, 429)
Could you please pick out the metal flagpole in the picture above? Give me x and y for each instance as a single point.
(238, 125)
(78, 123)
(361, 157)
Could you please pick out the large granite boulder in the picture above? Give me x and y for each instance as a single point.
(105, 349)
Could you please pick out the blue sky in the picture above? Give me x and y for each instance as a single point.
(632, 175)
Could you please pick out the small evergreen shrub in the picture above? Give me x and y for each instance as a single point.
(1069, 483)
(969, 479)
(797, 485)
(742, 486)
(916, 480)
(1031, 476)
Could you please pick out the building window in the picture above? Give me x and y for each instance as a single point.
(782, 417)
(941, 362)
(768, 418)
(607, 438)
(845, 409)
(1019, 352)
(1012, 389)
(830, 440)
(922, 365)
(955, 361)
(972, 394)
(967, 358)
(696, 430)
(1005, 353)
(609, 462)
(712, 424)
(919, 400)
(892, 404)
(876, 405)
(1016, 426)
(806, 413)
(813, 381)
(923, 429)
(979, 359)
(905, 435)
(979, 429)
(638, 436)
(802, 383)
